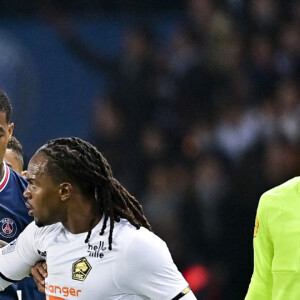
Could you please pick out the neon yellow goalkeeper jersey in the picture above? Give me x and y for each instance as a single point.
(276, 273)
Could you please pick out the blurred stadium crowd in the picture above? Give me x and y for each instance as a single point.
(199, 123)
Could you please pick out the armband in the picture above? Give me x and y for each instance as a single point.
(183, 293)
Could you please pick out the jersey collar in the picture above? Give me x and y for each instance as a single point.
(5, 178)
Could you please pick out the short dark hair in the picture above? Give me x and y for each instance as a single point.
(15, 146)
(5, 105)
(79, 161)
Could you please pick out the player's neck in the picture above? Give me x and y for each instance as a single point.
(1, 171)
(83, 217)
(82, 226)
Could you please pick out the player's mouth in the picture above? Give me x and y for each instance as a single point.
(30, 212)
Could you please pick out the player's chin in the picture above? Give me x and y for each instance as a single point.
(38, 222)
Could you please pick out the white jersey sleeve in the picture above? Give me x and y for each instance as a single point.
(146, 268)
(17, 258)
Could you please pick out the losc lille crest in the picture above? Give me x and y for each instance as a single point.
(80, 269)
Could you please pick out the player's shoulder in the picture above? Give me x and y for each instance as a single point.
(12, 187)
(17, 178)
(124, 228)
(288, 190)
(12, 181)
(44, 231)
(141, 238)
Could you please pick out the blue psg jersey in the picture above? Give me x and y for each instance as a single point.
(13, 212)
(13, 219)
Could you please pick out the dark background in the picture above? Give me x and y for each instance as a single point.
(195, 104)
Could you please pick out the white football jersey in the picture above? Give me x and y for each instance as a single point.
(139, 266)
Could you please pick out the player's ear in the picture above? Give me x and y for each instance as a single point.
(11, 127)
(65, 191)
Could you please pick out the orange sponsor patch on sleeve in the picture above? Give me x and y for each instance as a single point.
(256, 227)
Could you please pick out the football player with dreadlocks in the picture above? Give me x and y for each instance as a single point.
(90, 230)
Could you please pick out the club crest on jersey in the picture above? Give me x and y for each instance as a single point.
(8, 228)
(80, 269)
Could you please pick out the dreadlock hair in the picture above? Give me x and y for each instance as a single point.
(89, 169)
(5, 105)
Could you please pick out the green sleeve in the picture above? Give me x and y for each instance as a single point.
(262, 281)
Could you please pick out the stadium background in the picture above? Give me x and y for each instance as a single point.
(198, 114)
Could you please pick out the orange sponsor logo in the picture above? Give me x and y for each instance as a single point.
(60, 291)
(49, 297)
